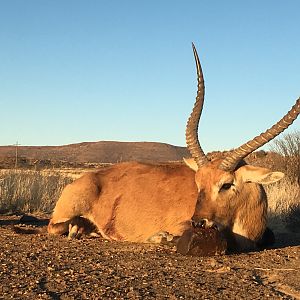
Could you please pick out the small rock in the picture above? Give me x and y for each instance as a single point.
(202, 242)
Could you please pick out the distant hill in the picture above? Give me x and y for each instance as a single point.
(99, 152)
(94, 154)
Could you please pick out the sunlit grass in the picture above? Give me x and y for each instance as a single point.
(284, 205)
(37, 191)
(31, 191)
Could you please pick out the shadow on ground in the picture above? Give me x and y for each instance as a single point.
(282, 239)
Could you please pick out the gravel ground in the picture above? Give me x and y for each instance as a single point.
(52, 267)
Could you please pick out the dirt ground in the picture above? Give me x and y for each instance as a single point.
(53, 267)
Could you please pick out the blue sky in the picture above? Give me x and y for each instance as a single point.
(74, 71)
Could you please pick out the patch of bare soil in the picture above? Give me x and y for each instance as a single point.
(53, 267)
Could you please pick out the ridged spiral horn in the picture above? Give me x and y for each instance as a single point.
(191, 132)
(231, 161)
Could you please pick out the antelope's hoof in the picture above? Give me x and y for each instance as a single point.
(75, 232)
(204, 223)
(94, 235)
(162, 237)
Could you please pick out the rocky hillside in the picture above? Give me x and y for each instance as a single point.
(97, 152)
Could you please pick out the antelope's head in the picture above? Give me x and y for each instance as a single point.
(229, 190)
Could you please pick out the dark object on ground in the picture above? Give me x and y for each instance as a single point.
(28, 219)
(202, 242)
(267, 240)
(30, 225)
(23, 230)
(32, 220)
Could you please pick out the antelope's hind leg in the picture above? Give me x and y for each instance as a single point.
(74, 227)
(58, 228)
(79, 226)
(76, 200)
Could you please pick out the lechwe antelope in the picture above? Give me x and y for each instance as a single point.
(138, 202)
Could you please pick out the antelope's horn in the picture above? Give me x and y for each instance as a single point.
(191, 132)
(231, 161)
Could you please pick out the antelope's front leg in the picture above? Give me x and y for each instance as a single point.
(163, 237)
(205, 223)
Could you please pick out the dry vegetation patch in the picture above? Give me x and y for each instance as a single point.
(37, 191)
(31, 191)
(284, 206)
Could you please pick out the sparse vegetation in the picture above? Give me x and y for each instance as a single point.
(30, 191)
(37, 191)
(284, 196)
(284, 205)
(288, 147)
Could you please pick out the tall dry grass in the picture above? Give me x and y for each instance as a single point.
(284, 205)
(284, 196)
(288, 147)
(30, 191)
(37, 191)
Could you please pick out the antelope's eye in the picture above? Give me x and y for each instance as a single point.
(226, 186)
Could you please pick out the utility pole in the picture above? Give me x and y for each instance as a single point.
(16, 161)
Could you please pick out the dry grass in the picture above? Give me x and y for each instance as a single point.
(284, 205)
(284, 196)
(38, 191)
(288, 147)
(30, 191)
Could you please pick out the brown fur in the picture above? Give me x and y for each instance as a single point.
(131, 201)
(242, 208)
(134, 201)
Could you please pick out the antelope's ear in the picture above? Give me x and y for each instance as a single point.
(258, 175)
(190, 162)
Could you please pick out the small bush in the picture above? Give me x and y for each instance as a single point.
(289, 149)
